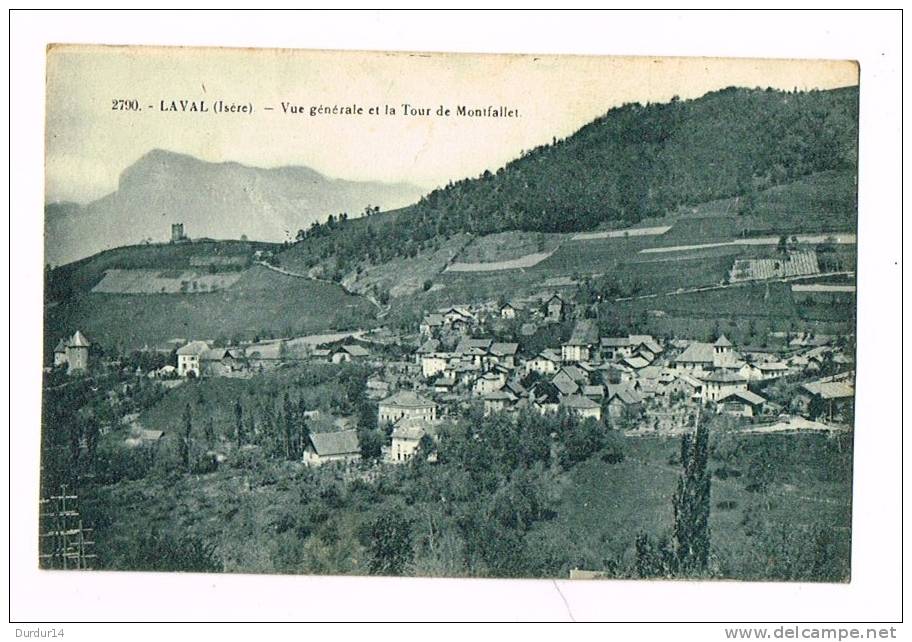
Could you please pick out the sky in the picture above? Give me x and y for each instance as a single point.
(88, 144)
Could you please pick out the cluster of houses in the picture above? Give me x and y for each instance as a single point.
(635, 382)
(200, 359)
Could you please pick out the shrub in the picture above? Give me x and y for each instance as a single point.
(157, 551)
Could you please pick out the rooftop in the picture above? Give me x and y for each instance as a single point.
(194, 348)
(504, 349)
(407, 399)
(697, 352)
(744, 395)
(724, 376)
(830, 389)
(78, 341)
(410, 428)
(578, 402)
(585, 332)
(344, 442)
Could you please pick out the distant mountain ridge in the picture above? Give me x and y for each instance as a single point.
(216, 200)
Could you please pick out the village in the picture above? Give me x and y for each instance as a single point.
(484, 357)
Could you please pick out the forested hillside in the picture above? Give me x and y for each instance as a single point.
(634, 162)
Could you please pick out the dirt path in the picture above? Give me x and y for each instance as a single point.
(740, 284)
(619, 234)
(298, 275)
(839, 239)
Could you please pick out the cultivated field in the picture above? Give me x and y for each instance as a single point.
(164, 281)
(261, 303)
(527, 261)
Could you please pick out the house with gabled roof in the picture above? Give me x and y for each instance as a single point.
(582, 406)
(349, 352)
(405, 403)
(406, 438)
(60, 357)
(498, 401)
(546, 362)
(503, 353)
(555, 307)
(488, 382)
(741, 403)
(697, 356)
(514, 387)
(430, 324)
(444, 384)
(510, 309)
(646, 346)
(457, 318)
(332, 447)
(594, 392)
(545, 397)
(635, 363)
(616, 373)
(473, 350)
(578, 346)
(720, 383)
(221, 362)
(829, 397)
(643, 345)
(565, 383)
(622, 400)
(687, 385)
(431, 346)
(188, 358)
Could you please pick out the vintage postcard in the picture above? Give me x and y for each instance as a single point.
(448, 315)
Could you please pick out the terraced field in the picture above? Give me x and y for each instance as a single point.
(527, 261)
(164, 281)
(261, 303)
(796, 264)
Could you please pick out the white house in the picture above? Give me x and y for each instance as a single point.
(60, 357)
(721, 383)
(406, 403)
(188, 358)
(406, 437)
(584, 335)
(546, 363)
(489, 382)
(432, 365)
(510, 309)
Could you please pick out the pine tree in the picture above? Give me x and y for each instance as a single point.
(691, 503)
(209, 431)
(302, 431)
(239, 423)
(185, 441)
(288, 421)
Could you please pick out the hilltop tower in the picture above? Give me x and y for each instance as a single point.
(177, 233)
(77, 353)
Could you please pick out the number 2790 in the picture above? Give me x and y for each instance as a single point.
(124, 104)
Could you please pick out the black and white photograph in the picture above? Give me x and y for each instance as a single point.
(467, 316)
(626, 352)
